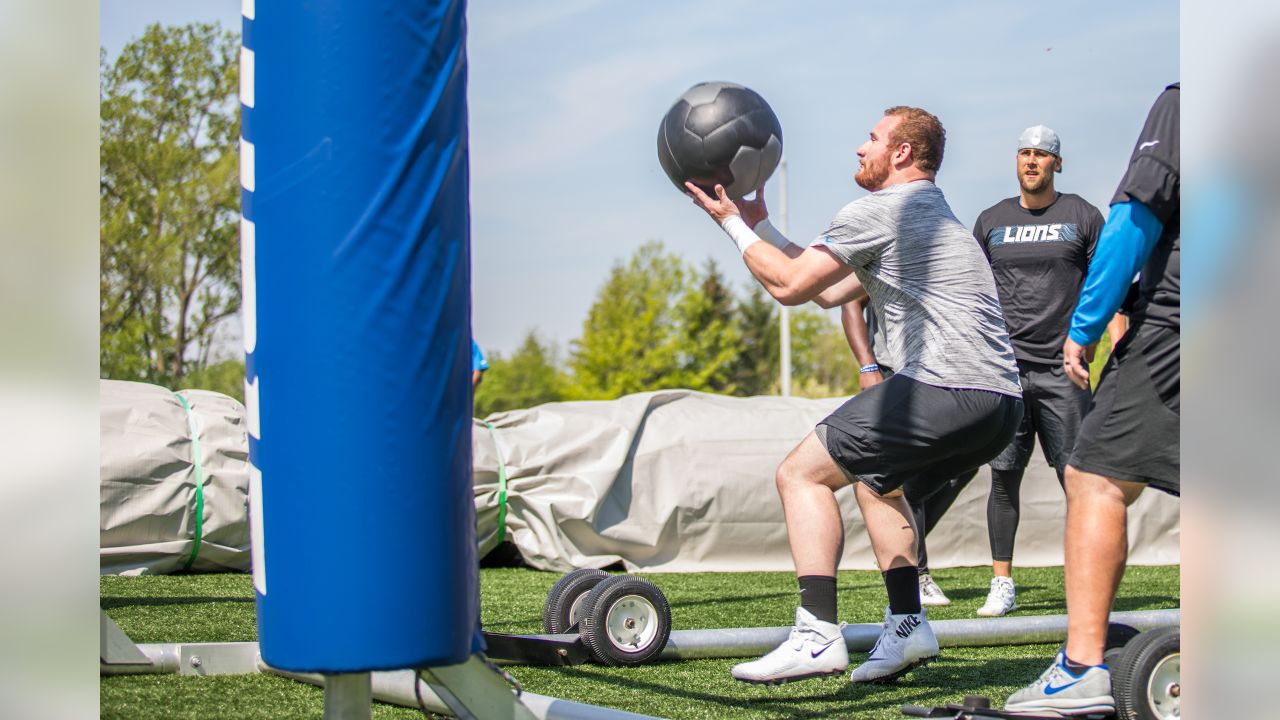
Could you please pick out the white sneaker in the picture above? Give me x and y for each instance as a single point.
(930, 594)
(1002, 600)
(906, 642)
(813, 649)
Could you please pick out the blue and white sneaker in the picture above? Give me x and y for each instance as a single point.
(1058, 693)
(813, 649)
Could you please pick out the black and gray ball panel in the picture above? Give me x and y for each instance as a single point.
(719, 132)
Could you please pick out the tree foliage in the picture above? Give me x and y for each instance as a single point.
(169, 202)
(529, 377)
(657, 323)
(756, 369)
(711, 338)
(631, 338)
(822, 364)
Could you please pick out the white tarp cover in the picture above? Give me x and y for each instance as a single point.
(672, 481)
(680, 481)
(152, 484)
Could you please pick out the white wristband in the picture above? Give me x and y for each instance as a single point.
(738, 231)
(771, 234)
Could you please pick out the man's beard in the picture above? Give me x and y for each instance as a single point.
(1034, 185)
(873, 174)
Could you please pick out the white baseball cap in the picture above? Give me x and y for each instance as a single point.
(1040, 138)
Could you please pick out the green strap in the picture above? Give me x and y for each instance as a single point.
(195, 455)
(502, 485)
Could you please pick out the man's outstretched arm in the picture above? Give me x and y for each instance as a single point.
(790, 280)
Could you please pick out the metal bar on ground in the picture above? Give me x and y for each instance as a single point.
(224, 658)
(397, 687)
(1025, 630)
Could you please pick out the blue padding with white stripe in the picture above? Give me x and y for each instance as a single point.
(359, 366)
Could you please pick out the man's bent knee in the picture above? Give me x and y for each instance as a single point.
(1082, 485)
(809, 464)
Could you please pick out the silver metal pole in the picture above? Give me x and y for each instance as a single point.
(234, 658)
(1026, 630)
(348, 696)
(784, 319)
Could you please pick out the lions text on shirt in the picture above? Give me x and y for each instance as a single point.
(930, 284)
(1039, 259)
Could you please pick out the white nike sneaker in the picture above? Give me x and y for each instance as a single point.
(906, 642)
(813, 649)
(1058, 693)
(1002, 600)
(930, 594)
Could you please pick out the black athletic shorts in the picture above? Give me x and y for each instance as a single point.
(1131, 431)
(903, 430)
(1053, 407)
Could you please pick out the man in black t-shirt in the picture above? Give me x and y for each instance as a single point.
(1039, 244)
(1129, 439)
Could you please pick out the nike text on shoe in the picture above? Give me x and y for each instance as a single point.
(1002, 600)
(813, 649)
(906, 641)
(930, 594)
(1058, 693)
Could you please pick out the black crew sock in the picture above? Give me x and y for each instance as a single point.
(903, 586)
(818, 596)
(1074, 667)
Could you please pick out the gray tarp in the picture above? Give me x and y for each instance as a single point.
(673, 481)
(680, 481)
(152, 481)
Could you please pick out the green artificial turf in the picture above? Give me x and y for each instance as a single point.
(219, 608)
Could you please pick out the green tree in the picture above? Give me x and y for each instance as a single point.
(755, 369)
(822, 365)
(711, 339)
(226, 377)
(530, 377)
(169, 202)
(631, 338)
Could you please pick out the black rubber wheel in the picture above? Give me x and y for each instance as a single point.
(625, 620)
(1145, 680)
(1118, 635)
(562, 610)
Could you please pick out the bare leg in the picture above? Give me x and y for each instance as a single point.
(889, 523)
(1096, 551)
(807, 481)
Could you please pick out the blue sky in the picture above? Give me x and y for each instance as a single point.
(565, 99)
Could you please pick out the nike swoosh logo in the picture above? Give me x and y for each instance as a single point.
(1051, 690)
(1146, 145)
(813, 654)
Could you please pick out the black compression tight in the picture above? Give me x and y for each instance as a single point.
(930, 509)
(1003, 505)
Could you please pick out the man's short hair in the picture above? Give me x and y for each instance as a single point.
(923, 132)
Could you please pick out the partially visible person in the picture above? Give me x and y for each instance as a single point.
(1129, 439)
(1117, 327)
(1039, 243)
(479, 364)
(865, 334)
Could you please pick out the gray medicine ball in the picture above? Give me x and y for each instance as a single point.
(719, 132)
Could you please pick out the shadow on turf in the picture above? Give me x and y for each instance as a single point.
(121, 601)
(937, 684)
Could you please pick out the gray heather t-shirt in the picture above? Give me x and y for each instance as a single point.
(932, 286)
